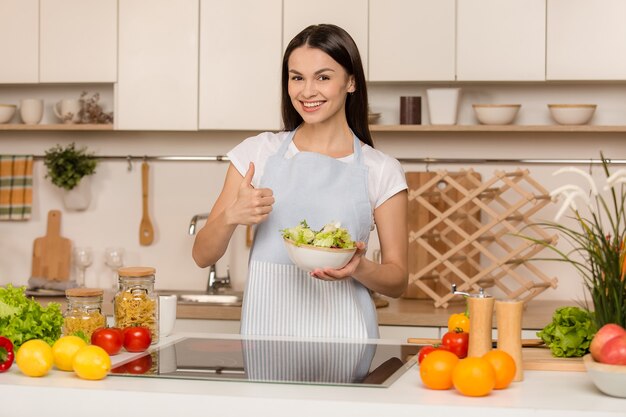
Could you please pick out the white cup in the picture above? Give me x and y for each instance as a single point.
(68, 110)
(167, 314)
(31, 111)
(443, 105)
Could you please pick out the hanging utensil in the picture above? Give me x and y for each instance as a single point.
(146, 231)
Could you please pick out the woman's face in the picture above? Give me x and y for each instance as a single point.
(318, 85)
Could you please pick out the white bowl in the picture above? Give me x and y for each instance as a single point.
(572, 114)
(610, 379)
(6, 112)
(309, 257)
(496, 114)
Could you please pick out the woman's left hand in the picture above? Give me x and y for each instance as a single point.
(330, 274)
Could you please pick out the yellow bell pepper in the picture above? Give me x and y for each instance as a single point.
(459, 321)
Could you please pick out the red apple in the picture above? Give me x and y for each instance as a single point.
(606, 333)
(614, 351)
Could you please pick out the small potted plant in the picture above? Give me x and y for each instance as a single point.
(597, 236)
(70, 169)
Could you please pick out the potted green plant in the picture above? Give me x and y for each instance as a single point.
(70, 169)
(597, 239)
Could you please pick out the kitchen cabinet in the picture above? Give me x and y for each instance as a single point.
(412, 40)
(586, 40)
(19, 41)
(78, 41)
(351, 15)
(240, 64)
(157, 86)
(501, 40)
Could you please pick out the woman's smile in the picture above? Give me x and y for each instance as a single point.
(311, 106)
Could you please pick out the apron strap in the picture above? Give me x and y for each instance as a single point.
(356, 147)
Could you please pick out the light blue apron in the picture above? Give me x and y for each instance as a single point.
(282, 300)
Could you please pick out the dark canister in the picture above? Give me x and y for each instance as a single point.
(410, 110)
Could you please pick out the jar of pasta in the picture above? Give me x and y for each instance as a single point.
(84, 311)
(136, 303)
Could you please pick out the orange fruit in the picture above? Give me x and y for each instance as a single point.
(436, 369)
(504, 365)
(474, 377)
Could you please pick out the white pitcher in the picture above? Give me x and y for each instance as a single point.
(68, 110)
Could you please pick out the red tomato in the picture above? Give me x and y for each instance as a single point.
(427, 349)
(137, 338)
(456, 342)
(140, 365)
(110, 339)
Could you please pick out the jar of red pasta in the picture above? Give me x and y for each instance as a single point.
(136, 302)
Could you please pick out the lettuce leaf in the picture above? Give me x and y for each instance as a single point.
(570, 332)
(332, 235)
(23, 318)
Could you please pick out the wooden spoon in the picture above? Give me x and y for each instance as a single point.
(146, 231)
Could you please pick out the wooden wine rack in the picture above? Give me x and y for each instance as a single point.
(467, 232)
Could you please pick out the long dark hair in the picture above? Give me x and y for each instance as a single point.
(340, 46)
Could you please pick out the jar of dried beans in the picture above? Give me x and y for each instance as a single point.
(136, 302)
(84, 311)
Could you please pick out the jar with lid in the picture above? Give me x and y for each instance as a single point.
(84, 311)
(136, 303)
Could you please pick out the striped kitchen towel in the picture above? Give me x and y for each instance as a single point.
(16, 187)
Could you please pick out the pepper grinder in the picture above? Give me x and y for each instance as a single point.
(509, 320)
(481, 316)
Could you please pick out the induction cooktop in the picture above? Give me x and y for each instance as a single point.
(352, 363)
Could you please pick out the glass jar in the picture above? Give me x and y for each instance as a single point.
(84, 311)
(136, 303)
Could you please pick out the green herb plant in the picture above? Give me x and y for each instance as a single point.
(68, 165)
(598, 252)
(23, 318)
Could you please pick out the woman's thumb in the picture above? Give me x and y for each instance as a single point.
(247, 179)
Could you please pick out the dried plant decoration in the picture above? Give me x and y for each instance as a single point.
(91, 112)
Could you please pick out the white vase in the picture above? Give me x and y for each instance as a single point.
(79, 197)
(443, 105)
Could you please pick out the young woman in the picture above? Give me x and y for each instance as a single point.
(321, 168)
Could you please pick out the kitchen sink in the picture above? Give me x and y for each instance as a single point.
(222, 297)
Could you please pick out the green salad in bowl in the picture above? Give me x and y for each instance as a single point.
(330, 247)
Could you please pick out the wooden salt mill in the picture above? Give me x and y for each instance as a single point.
(509, 320)
(481, 319)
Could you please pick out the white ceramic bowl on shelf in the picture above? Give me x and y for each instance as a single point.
(572, 114)
(6, 112)
(308, 257)
(610, 379)
(496, 114)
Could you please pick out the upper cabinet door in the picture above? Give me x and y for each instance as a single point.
(412, 40)
(19, 41)
(501, 40)
(586, 40)
(240, 64)
(350, 15)
(78, 42)
(157, 85)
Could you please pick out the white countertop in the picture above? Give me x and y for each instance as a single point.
(540, 394)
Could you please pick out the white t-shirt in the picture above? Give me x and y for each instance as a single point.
(385, 179)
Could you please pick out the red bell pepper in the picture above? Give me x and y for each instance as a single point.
(6, 354)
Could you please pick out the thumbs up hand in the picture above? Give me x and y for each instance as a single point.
(252, 205)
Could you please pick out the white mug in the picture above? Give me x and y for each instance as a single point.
(31, 111)
(68, 110)
(167, 314)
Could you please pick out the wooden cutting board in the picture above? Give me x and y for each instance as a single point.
(52, 253)
(541, 359)
(535, 357)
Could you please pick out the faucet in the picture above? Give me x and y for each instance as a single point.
(214, 282)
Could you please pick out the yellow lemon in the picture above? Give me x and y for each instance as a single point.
(92, 362)
(34, 358)
(64, 350)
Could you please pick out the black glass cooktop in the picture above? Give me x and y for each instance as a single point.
(350, 363)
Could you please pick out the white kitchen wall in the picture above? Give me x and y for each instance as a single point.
(178, 190)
